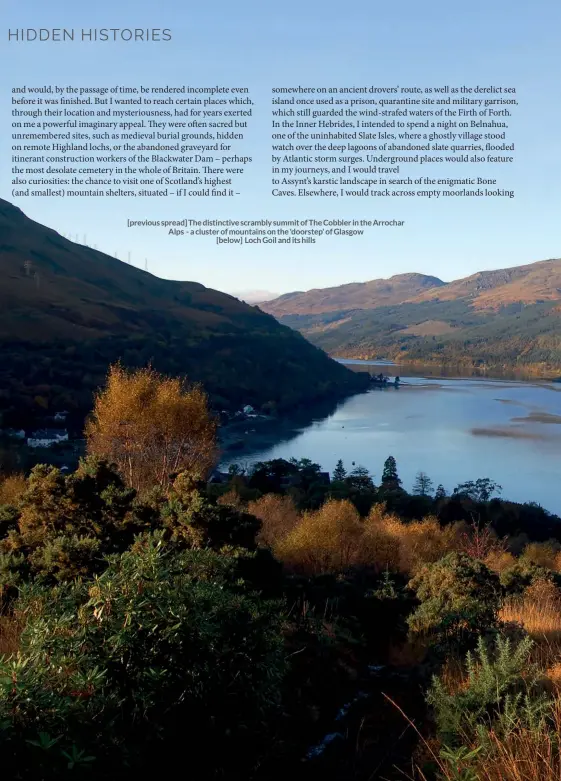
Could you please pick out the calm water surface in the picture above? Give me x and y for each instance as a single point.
(452, 429)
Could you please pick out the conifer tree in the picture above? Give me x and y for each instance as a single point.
(339, 473)
(390, 478)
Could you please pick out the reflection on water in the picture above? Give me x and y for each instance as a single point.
(414, 370)
(453, 429)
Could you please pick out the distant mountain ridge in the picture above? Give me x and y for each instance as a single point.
(488, 289)
(355, 295)
(67, 311)
(505, 318)
(539, 281)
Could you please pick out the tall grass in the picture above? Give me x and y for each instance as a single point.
(524, 755)
(538, 610)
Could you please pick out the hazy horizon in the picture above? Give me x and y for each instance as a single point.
(374, 279)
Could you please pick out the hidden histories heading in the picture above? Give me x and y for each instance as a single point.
(43, 34)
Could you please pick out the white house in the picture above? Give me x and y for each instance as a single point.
(13, 433)
(47, 437)
(61, 415)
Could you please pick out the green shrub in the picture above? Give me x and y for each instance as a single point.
(522, 574)
(192, 520)
(13, 569)
(459, 597)
(501, 692)
(8, 519)
(161, 646)
(65, 524)
(65, 557)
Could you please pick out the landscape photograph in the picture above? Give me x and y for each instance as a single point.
(315, 536)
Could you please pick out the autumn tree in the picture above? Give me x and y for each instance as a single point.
(327, 540)
(479, 542)
(278, 516)
(11, 488)
(152, 427)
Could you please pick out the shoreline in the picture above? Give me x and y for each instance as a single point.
(242, 438)
(545, 372)
(239, 439)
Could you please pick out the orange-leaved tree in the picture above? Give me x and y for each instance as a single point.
(152, 427)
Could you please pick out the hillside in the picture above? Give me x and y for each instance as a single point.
(508, 318)
(357, 295)
(67, 311)
(527, 284)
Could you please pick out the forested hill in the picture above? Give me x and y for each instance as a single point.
(67, 311)
(506, 318)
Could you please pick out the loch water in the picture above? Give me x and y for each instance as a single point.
(453, 428)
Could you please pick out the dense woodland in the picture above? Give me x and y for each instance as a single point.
(517, 335)
(39, 378)
(275, 624)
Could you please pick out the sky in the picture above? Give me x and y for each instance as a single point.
(312, 43)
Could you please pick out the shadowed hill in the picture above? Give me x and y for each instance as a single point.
(67, 311)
